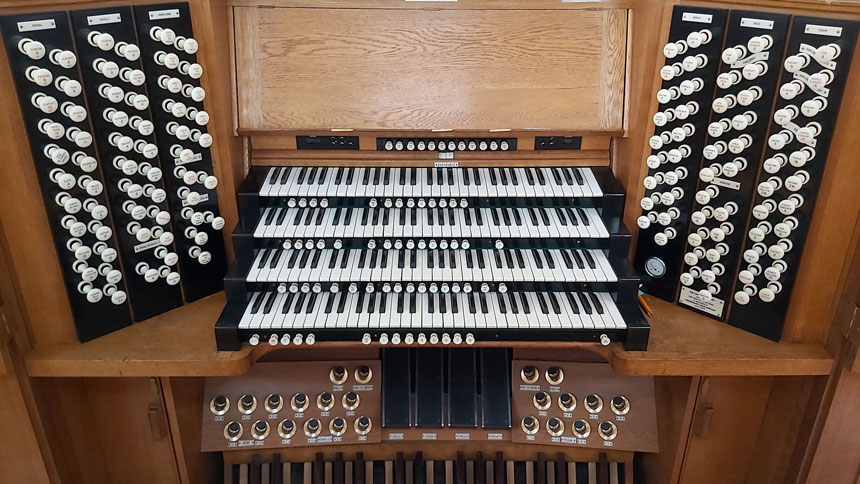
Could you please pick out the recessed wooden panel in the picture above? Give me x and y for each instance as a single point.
(373, 69)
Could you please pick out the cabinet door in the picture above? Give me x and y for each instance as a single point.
(132, 430)
(725, 429)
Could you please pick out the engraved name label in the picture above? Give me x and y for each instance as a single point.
(757, 23)
(825, 30)
(108, 18)
(163, 14)
(32, 25)
(701, 18)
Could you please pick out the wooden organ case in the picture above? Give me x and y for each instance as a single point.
(402, 241)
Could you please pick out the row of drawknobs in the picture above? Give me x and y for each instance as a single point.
(114, 111)
(741, 137)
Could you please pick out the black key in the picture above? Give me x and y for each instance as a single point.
(503, 308)
(506, 217)
(413, 259)
(400, 297)
(371, 303)
(360, 305)
(303, 258)
(484, 303)
(348, 217)
(312, 301)
(413, 298)
(514, 178)
(574, 303)
(271, 215)
(254, 470)
(530, 176)
(460, 469)
(386, 176)
(379, 472)
(493, 180)
(452, 260)
(338, 175)
(471, 298)
(519, 472)
(509, 258)
(451, 217)
(419, 471)
(288, 303)
(350, 174)
(525, 303)
(567, 176)
(431, 303)
(595, 301)
(344, 260)
(402, 180)
(542, 302)
(503, 176)
(414, 176)
(428, 388)
(495, 214)
(512, 302)
(568, 262)
(561, 216)
(540, 177)
(477, 174)
(467, 180)
(556, 308)
(301, 176)
(582, 473)
(578, 176)
(267, 308)
(544, 216)
(256, 301)
(479, 217)
(480, 468)
(332, 262)
(341, 305)
(499, 469)
(577, 258)
(375, 218)
(297, 473)
(276, 469)
(588, 258)
(337, 469)
(532, 216)
(585, 220)
(584, 303)
(481, 263)
(431, 259)
(399, 470)
(495, 390)
(358, 466)
(366, 178)
(439, 472)
(550, 262)
(536, 255)
(315, 260)
(330, 302)
(540, 469)
(450, 176)
(285, 173)
(573, 219)
(560, 469)
(556, 176)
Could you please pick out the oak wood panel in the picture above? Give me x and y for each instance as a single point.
(182, 343)
(182, 397)
(442, 5)
(675, 402)
(783, 426)
(409, 69)
(721, 451)
(134, 453)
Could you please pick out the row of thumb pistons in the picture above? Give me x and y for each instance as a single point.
(387, 287)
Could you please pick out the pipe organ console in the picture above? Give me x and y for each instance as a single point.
(424, 233)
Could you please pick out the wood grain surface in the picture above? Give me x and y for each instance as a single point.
(182, 343)
(407, 69)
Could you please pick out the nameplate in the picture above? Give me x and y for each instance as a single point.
(32, 25)
(701, 18)
(110, 18)
(825, 30)
(163, 14)
(757, 23)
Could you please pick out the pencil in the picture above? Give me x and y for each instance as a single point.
(644, 305)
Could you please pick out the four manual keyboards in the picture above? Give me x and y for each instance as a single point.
(442, 255)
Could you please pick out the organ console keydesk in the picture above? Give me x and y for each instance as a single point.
(404, 241)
